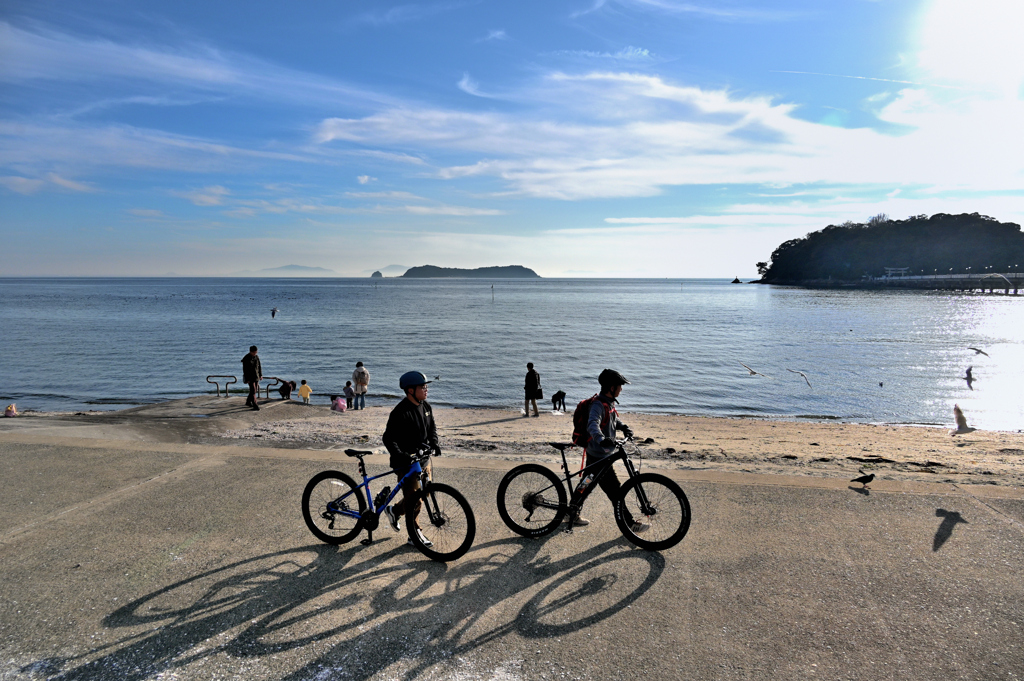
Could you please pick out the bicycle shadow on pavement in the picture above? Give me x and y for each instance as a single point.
(347, 610)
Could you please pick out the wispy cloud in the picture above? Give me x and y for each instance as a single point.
(69, 184)
(496, 34)
(150, 213)
(22, 185)
(732, 12)
(406, 13)
(207, 196)
(451, 210)
(629, 53)
(365, 179)
(880, 80)
(471, 87)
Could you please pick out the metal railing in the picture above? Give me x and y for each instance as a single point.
(234, 379)
(266, 389)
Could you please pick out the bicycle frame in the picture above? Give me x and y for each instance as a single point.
(576, 497)
(415, 469)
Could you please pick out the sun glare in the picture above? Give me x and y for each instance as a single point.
(974, 42)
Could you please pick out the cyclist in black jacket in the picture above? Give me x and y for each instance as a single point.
(410, 429)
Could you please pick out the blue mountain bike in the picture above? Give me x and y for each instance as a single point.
(336, 510)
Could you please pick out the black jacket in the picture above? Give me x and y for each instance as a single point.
(410, 428)
(251, 369)
(532, 386)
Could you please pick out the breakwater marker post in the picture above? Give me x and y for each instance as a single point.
(234, 379)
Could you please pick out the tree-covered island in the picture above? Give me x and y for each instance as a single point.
(851, 253)
(504, 272)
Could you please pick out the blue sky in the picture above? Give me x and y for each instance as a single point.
(658, 138)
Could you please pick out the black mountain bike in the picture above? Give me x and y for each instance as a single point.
(532, 500)
(336, 510)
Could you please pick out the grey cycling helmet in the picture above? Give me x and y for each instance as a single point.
(610, 378)
(411, 379)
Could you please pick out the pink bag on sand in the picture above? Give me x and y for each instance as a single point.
(338, 404)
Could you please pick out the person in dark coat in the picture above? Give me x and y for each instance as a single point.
(252, 373)
(410, 429)
(533, 390)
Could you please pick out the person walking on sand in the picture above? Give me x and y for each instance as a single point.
(533, 390)
(601, 426)
(410, 429)
(252, 374)
(305, 391)
(361, 379)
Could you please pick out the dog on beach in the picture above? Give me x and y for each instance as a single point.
(558, 401)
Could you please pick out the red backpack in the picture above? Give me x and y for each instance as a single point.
(581, 418)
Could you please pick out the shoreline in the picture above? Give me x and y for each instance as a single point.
(832, 449)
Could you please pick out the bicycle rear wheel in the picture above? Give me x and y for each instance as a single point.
(531, 500)
(657, 501)
(322, 507)
(446, 521)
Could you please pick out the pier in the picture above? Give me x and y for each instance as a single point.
(982, 283)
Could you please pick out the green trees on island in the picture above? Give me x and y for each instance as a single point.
(941, 244)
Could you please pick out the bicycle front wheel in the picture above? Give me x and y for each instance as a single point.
(531, 500)
(447, 524)
(325, 502)
(652, 500)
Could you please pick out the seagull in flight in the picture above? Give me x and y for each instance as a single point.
(961, 422)
(978, 351)
(438, 377)
(969, 378)
(752, 372)
(273, 312)
(802, 374)
(864, 479)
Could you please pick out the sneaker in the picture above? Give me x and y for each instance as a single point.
(393, 519)
(639, 526)
(426, 542)
(580, 522)
(255, 407)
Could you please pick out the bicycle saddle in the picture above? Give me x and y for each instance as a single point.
(561, 446)
(357, 452)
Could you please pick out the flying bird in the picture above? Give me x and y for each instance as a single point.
(438, 377)
(969, 378)
(864, 479)
(273, 312)
(802, 374)
(961, 422)
(752, 372)
(978, 351)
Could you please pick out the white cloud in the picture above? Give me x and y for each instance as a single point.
(629, 53)
(452, 210)
(497, 34)
(471, 87)
(364, 179)
(207, 196)
(69, 184)
(22, 185)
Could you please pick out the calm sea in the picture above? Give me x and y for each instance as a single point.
(870, 356)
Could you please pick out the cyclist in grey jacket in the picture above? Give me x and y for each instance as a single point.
(601, 427)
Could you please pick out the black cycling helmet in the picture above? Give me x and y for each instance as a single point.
(610, 378)
(411, 379)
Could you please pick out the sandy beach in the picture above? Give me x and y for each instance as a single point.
(815, 449)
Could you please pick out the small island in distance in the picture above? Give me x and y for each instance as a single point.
(854, 254)
(502, 272)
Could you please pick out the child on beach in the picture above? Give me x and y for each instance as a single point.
(305, 391)
(350, 394)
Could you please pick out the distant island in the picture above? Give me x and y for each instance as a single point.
(505, 272)
(850, 253)
(288, 271)
(376, 275)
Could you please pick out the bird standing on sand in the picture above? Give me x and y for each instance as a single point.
(273, 312)
(802, 374)
(864, 479)
(752, 372)
(961, 422)
(978, 351)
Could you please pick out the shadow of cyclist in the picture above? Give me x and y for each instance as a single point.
(321, 594)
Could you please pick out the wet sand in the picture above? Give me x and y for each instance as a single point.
(814, 449)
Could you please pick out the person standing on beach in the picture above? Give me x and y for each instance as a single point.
(252, 374)
(305, 391)
(361, 379)
(601, 427)
(410, 429)
(533, 390)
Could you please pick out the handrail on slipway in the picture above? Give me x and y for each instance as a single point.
(234, 379)
(267, 388)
